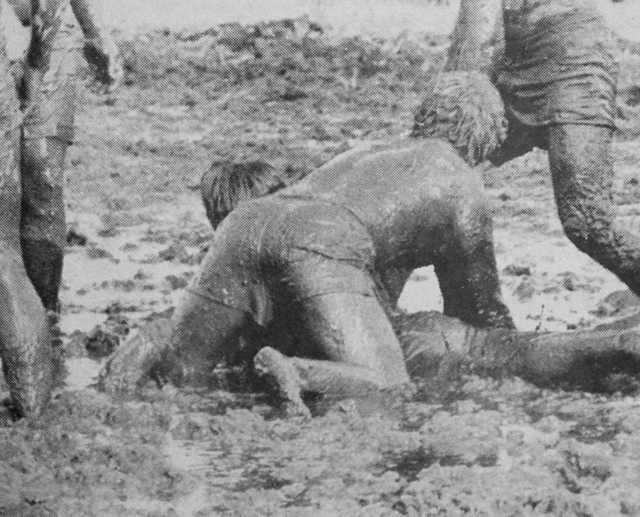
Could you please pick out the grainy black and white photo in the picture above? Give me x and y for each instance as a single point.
(320, 258)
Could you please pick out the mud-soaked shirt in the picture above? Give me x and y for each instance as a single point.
(406, 192)
(393, 205)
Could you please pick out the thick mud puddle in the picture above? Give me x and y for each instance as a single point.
(477, 447)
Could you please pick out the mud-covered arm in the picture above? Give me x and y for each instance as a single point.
(46, 19)
(100, 50)
(477, 41)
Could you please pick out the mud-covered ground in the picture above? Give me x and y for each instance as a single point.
(295, 97)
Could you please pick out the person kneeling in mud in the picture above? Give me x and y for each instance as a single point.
(316, 260)
(309, 275)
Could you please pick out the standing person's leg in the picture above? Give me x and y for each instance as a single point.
(25, 347)
(43, 217)
(49, 130)
(582, 167)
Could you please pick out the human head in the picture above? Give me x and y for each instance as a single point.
(465, 109)
(227, 184)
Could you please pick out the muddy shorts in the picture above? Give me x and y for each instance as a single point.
(283, 249)
(52, 114)
(559, 67)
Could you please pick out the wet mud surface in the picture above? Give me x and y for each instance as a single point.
(480, 447)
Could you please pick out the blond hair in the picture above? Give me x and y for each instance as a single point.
(465, 109)
(227, 184)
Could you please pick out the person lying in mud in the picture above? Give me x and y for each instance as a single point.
(315, 260)
(32, 225)
(554, 64)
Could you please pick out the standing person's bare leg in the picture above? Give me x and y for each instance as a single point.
(43, 226)
(25, 346)
(582, 167)
(49, 104)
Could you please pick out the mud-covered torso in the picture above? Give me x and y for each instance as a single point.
(407, 193)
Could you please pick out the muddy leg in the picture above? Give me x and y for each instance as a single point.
(582, 166)
(51, 96)
(353, 346)
(25, 347)
(582, 360)
(578, 359)
(43, 216)
(293, 376)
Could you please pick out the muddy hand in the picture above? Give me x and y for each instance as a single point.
(105, 61)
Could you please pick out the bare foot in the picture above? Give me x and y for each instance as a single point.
(282, 373)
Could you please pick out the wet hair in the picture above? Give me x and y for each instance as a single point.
(227, 184)
(465, 109)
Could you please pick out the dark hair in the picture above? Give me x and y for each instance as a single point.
(465, 109)
(227, 184)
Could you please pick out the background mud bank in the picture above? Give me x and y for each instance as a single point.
(295, 97)
(372, 17)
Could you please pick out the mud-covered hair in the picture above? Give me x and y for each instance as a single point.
(227, 184)
(465, 109)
